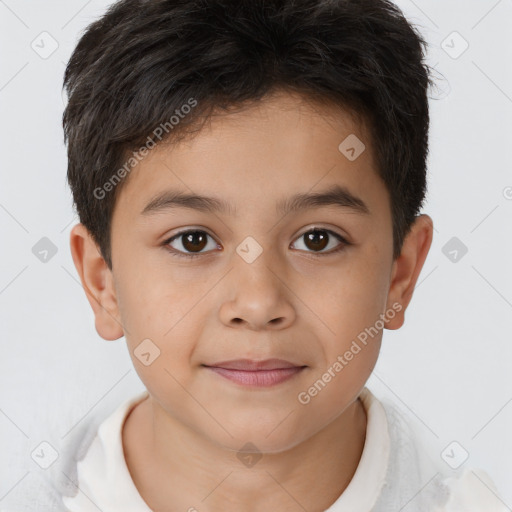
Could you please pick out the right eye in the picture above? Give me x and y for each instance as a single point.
(193, 240)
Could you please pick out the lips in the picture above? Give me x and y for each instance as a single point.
(251, 365)
(247, 372)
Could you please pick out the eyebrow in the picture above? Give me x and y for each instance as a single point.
(337, 196)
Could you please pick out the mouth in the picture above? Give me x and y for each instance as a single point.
(247, 372)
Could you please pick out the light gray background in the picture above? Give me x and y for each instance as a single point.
(448, 368)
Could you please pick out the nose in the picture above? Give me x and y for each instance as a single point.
(257, 296)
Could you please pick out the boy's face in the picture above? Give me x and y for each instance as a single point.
(296, 300)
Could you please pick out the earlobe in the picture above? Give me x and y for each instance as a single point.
(407, 268)
(97, 282)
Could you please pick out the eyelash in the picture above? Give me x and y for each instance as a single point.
(180, 254)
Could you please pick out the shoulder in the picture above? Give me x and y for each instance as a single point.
(43, 485)
(416, 466)
(472, 490)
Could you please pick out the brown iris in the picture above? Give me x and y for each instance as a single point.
(195, 241)
(316, 239)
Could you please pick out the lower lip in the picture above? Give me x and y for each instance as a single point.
(260, 378)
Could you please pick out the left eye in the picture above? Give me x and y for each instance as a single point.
(318, 239)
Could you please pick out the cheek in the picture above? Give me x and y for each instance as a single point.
(149, 296)
(352, 308)
(158, 319)
(351, 299)
(161, 342)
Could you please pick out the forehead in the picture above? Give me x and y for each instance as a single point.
(283, 144)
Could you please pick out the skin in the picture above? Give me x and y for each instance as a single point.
(293, 302)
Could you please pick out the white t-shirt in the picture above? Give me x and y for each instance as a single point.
(391, 475)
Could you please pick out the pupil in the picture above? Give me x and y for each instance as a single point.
(317, 238)
(195, 241)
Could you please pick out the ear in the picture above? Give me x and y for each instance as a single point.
(97, 282)
(407, 268)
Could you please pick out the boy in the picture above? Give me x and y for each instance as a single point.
(248, 177)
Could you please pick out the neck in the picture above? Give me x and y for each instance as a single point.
(172, 464)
